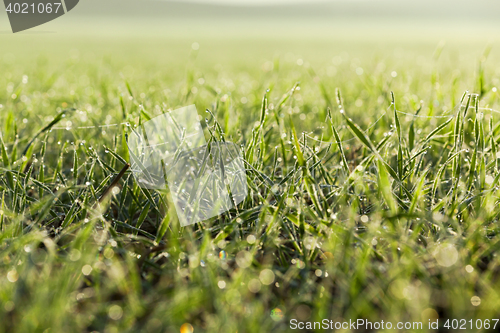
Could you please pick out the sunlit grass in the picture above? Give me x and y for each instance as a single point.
(373, 194)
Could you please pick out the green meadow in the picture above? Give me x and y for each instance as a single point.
(372, 160)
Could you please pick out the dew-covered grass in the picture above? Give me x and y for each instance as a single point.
(373, 193)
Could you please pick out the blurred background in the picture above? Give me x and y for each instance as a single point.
(255, 45)
(118, 62)
(232, 32)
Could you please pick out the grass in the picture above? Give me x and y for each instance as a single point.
(373, 193)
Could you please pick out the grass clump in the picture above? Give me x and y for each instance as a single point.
(363, 203)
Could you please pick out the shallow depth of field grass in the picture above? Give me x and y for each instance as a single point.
(373, 193)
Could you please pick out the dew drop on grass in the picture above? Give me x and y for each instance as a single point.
(276, 314)
(222, 255)
(86, 270)
(446, 255)
(12, 275)
(251, 239)
(115, 312)
(475, 301)
(187, 328)
(254, 285)
(9, 305)
(266, 276)
(115, 190)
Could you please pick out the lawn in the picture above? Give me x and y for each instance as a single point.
(372, 168)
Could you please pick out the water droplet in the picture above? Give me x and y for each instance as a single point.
(276, 314)
(222, 255)
(187, 328)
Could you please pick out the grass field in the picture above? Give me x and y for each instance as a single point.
(373, 171)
